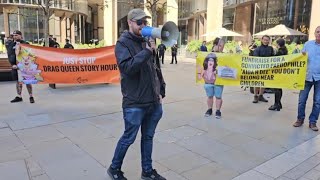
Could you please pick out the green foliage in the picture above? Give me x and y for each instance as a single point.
(80, 45)
(230, 46)
(194, 46)
(89, 46)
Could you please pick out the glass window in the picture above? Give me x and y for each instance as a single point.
(29, 24)
(292, 13)
(1, 22)
(13, 19)
(41, 25)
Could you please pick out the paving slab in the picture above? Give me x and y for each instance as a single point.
(76, 127)
(14, 170)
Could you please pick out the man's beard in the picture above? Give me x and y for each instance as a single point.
(137, 32)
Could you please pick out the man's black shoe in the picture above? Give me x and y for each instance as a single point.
(31, 100)
(16, 99)
(208, 113)
(115, 174)
(153, 175)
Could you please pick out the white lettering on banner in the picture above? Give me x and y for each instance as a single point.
(81, 60)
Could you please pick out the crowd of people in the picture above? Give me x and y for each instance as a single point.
(143, 86)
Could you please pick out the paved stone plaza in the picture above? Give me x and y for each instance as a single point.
(70, 134)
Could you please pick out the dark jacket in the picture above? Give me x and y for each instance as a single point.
(68, 46)
(11, 51)
(263, 51)
(141, 80)
(174, 50)
(282, 51)
(162, 48)
(203, 48)
(51, 43)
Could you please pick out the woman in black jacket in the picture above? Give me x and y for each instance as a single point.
(282, 50)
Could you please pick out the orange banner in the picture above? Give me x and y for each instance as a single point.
(67, 66)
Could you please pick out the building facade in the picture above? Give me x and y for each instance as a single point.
(85, 20)
(78, 20)
(69, 19)
(252, 16)
(246, 17)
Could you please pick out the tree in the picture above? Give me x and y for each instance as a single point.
(47, 11)
(154, 6)
(47, 14)
(45, 6)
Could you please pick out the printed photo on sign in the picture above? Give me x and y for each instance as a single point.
(227, 72)
(28, 71)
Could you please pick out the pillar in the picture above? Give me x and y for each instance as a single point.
(63, 30)
(110, 22)
(147, 12)
(191, 29)
(80, 29)
(314, 20)
(72, 34)
(100, 23)
(214, 16)
(57, 28)
(6, 22)
(202, 29)
(172, 11)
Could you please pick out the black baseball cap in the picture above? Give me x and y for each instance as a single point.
(17, 32)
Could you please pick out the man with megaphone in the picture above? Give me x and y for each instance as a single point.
(143, 88)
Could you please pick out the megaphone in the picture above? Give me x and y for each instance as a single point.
(168, 33)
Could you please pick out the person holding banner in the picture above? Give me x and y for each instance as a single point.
(282, 50)
(143, 88)
(312, 48)
(262, 51)
(13, 52)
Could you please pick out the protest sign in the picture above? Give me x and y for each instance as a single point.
(273, 72)
(67, 66)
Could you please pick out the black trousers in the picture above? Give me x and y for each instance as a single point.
(161, 56)
(174, 56)
(277, 96)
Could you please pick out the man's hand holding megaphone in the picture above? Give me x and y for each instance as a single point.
(151, 44)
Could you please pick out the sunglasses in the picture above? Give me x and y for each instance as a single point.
(141, 21)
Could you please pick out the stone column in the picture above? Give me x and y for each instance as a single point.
(52, 25)
(100, 23)
(63, 25)
(214, 16)
(72, 35)
(80, 29)
(6, 22)
(57, 29)
(314, 20)
(191, 29)
(147, 12)
(110, 22)
(202, 29)
(172, 11)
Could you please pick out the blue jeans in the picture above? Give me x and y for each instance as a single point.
(147, 118)
(303, 96)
